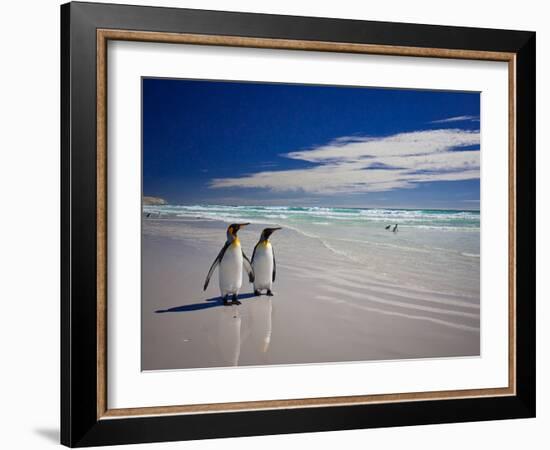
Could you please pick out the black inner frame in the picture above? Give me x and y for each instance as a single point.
(79, 424)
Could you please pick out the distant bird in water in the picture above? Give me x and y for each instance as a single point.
(263, 263)
(231, 260)
(395, 228)
(148, 215)
(388, 227)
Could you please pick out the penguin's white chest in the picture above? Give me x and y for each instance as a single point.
(263, 266)
(231, 270)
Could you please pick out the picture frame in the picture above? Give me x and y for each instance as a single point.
(86, 418)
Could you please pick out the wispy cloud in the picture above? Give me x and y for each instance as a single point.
(457, 119)
(368, 164)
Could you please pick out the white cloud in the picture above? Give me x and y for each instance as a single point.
(457, 119)
(366, 164)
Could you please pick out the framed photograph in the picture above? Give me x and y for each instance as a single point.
(276, 224)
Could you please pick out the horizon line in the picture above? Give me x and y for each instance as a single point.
(317, 206)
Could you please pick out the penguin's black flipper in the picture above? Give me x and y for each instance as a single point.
(248, 267)
(254, 252)
(214, 265)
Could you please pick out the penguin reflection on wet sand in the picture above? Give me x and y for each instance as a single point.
(231, 260)
(263, 263)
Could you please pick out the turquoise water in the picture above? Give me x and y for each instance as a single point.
(443, 220)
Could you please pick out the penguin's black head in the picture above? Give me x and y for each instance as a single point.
(268, 232)
(233, 229)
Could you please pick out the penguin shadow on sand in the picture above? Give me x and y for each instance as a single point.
(212, 302)
(227, 337)
(235, 326)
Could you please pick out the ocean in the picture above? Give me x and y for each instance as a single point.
(414, 218)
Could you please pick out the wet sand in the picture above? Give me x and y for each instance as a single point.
(326, 307)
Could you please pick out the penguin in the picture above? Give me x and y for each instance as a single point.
(231, 260)
(395, 228)
(263, 263)
(388, 227)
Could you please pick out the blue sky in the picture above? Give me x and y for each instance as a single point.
(244, 143)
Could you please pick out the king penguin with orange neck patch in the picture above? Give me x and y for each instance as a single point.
(231, 260)
(263, 263)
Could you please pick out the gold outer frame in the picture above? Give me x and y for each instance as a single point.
(104, 35)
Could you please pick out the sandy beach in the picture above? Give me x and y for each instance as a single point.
(330, 305)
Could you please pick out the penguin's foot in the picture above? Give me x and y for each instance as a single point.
(257, 292)
(235, 300)
(226, 301)
(269, 293)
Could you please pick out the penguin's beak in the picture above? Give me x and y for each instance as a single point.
(240, 225)
(268, 231)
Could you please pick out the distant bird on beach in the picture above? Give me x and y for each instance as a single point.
(395, 228)
(388, 227)
(231, 260)
(263, 263)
